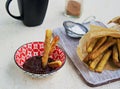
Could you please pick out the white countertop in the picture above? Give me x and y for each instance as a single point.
(13, 34)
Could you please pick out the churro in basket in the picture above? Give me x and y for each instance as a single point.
(99, 46)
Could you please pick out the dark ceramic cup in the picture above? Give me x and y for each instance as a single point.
(32, 12)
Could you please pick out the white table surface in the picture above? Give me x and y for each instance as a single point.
(13, 34)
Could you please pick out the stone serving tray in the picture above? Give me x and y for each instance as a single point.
(91, 78)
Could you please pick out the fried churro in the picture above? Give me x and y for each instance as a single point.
(47, 48)
(102, 49)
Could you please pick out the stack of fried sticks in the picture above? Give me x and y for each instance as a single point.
(100, 51)
(49, 47)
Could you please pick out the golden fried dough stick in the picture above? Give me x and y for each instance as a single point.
(102, 49)
(53, 43)
(95, 62)
(55, 64)
(103, 61)
(118, 46)
(115, 56)
(46, 48)
(100, 42)
(91, 46)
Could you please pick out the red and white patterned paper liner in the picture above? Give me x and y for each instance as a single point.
(36, 49)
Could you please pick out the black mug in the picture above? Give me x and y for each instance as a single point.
(32, 12)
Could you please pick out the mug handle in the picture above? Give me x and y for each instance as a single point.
(7, 8)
